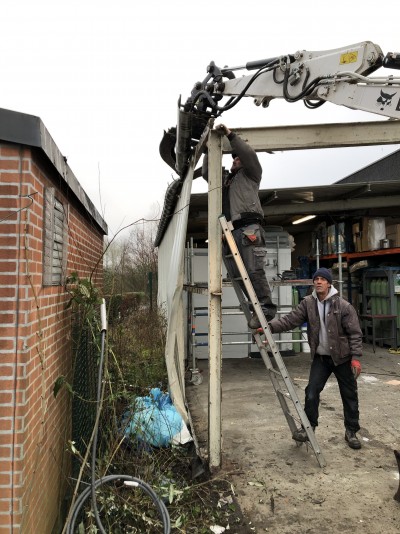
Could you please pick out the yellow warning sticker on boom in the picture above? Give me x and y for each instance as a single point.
(349, 57)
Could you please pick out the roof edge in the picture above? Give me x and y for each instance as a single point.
(24, 129)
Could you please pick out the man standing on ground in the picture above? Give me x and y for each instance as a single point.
(335, 340)
(241, 205)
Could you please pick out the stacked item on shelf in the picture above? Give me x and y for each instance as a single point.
(369, 233)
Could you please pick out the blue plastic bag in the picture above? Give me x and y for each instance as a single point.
(154, 420)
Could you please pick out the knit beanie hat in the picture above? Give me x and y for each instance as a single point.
(324, 273)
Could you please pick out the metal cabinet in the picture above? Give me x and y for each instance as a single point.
(381, 304)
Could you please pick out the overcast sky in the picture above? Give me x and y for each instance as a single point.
(105, 78)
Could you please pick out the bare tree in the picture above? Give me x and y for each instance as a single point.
(131, 262)
(142, 255)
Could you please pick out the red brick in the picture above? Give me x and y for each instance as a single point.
(9, 164)
(5, 398)
(8, 240)
(7, 344)
(5, 479)
(9, 190)
(5, 425)
(8, 266)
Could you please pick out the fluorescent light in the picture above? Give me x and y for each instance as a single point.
(304, 219)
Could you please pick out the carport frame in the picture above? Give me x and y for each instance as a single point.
(262, 139)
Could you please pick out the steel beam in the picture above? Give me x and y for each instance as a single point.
(310, 136)
(350, 204)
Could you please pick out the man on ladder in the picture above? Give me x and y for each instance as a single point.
(241, 205)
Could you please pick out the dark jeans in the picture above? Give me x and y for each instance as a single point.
(253, 254)
(321, 369)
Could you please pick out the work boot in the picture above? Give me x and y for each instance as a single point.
(254, 322)
(301, 435)
(269, 314)
(352, 440)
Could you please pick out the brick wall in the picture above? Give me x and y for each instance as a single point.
(35, 342)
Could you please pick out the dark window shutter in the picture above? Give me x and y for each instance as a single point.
(55, 240)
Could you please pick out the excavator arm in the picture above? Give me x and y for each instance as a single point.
(340, 76)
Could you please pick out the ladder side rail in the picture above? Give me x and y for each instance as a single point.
(261, 346)
(263, 352)
(242, 302)
(238, 291)
(273, 375)
(293, 396)
(253, 297)
(271, 342)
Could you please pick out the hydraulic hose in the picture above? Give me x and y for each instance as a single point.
(90, 491)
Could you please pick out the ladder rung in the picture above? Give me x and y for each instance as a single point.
(205, 344)
(275, 371)
(288, 341)
(284, 393)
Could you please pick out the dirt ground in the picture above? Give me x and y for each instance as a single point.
(280, 486)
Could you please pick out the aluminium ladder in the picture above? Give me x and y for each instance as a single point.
(278, 374)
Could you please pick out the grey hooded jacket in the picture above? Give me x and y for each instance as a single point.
(244, 185)
(342, 326)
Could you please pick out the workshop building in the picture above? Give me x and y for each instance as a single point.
(360, 242)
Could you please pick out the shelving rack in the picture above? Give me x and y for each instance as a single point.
(381, 301)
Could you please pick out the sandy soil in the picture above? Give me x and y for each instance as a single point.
(280, 486)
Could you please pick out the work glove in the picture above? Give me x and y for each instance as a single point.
(222, 129)
(356, 368)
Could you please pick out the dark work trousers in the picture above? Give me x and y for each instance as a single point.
(321, 369)
(253, 252)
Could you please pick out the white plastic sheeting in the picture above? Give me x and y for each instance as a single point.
(171, 252)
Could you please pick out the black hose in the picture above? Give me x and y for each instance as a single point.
(161, 508)
(306, 89)
(91, 490)
(233, 100)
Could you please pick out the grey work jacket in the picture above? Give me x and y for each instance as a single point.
(244, 185)
(342, 325)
